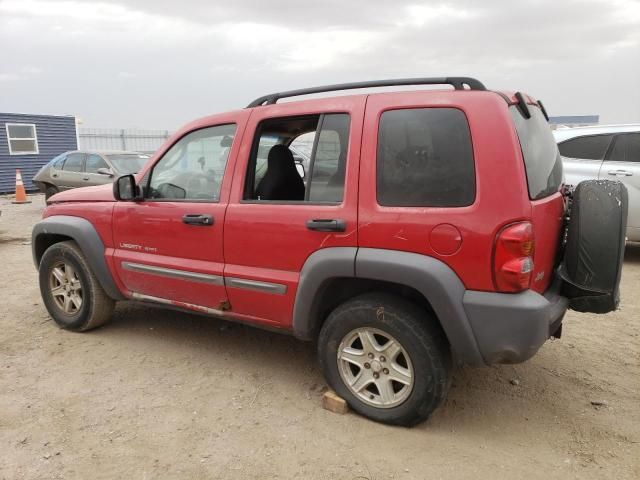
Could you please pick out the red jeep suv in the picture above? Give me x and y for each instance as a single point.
(403, 232)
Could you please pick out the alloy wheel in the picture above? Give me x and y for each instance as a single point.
(375, 367)
(66, 288)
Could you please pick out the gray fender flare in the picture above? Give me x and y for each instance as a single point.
(431, 277)
(85, 235)
(318, 270)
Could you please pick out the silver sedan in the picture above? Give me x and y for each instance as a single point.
(84, 168)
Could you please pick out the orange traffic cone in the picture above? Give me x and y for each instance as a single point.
(21, 195)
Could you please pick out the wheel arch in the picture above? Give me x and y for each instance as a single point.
(60, 228)
(332, 276)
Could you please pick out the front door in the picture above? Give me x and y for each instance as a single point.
(294, 193)
(94, 163)
(623, 164)
(168, 247)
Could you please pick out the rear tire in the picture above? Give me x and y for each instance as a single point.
(50, 191)
(399, 362)
(72, 294)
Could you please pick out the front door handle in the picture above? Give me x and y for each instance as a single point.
(622, 173)
(198, 219)
(86, 178)
(327, 225)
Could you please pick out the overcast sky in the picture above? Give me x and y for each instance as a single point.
(161, 63)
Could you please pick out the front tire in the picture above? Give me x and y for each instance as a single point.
(71, 293)
(50, 191)
(387, 357)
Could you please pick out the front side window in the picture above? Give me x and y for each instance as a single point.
(591, 147)
(301, 159)
(74, 162)
(425, 158)
(94, 162)
(193, 168)
(626, 148)
(22, 138)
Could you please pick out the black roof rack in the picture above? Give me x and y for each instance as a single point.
(457, 82)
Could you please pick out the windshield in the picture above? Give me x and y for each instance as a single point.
(127, 163)
(541, 157)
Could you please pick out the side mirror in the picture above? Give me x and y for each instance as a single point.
(125, 189)
(105, 171)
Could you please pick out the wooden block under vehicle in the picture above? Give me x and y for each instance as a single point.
(334, 403)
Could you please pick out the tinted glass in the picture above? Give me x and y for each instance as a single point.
(541, 156)
(128, 163)
(592, 147)
(73, 162)
(425, 158)
(94, 162)
(626, 148)
(193, 167)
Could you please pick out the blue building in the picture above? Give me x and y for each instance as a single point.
(28, 142)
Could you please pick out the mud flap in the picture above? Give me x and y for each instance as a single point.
(594, 247)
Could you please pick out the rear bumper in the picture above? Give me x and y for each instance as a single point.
(511, 328)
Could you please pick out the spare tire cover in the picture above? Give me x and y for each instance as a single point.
(594, 247)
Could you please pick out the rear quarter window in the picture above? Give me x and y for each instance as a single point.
(425, 158)
(541, 156)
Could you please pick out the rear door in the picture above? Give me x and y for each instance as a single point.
(72, 173)
(623, 164)
(267, 240)
(582, 157)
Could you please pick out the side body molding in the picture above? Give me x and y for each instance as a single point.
(85, 235)
(432, 278)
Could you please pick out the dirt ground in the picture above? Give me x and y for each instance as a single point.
(158, 394)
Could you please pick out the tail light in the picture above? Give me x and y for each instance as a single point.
(513, 257)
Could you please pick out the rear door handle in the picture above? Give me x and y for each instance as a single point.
(625, 173)
(198, 219)
(85, 178)
(327, 225)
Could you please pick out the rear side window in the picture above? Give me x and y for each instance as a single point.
(74, 162)
(592, 147)
(57, 162)
(425, 158)
(626, 148)
(541, 156)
